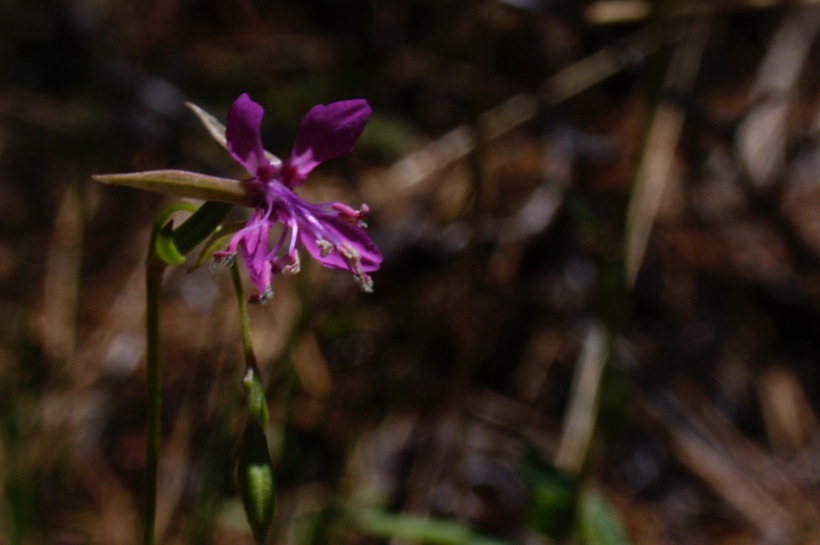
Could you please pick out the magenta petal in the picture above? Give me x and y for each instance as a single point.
(254, 248)
(346, 233)
(327, 132)
(242, 132)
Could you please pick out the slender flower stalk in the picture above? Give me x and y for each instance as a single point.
(244, 323)
(153, 285)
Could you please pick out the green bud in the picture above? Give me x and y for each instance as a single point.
(255, 398)
(256, 482)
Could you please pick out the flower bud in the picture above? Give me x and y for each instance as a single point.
(255, 398)
(256, 482)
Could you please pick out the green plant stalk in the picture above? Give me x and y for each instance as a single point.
(244, 321)
(199, 226)
(153, 286)
(252, 379)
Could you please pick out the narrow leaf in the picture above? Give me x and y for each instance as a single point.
(162, 227)
(200, 225)
(418, 529)
(165, 248)
(598, 522)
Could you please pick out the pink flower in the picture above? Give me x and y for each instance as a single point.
(332, 233)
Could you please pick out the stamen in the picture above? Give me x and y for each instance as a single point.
(356, 217)
(354, 263)
(262, 298)
(224, 258)
(343, 209)
(325, 247)
(289, 264)
(365, 282)
(293, 269)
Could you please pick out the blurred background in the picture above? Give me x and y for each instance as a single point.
(597, 320)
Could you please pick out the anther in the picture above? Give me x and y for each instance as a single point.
(325, 247)
(262, 298)
(224, 258)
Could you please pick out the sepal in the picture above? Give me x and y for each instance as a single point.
(182, 183)
(217, 130)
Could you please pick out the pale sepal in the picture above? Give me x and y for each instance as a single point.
(182, 183)
(217, 131)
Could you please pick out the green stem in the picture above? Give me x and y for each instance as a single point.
(199, 226)
(153, 286)
(252, 379)
(244, 321)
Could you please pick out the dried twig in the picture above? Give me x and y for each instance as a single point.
(655, 166)
(419, 165)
